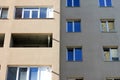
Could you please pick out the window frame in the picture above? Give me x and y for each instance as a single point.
(73, 26)
(1, 10)
(105, 3)
(49, 12)
(107, 27)
(28, 71)
(110, 54)
(74, 58)
(72, 4)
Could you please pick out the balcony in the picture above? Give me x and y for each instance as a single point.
(31, 40)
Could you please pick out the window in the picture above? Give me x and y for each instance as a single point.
(29, 73)
(2, 36)
(3, 13)
(105, 3)
(73, 3)
(33, 13)
(75, 78)
(111, 54)
(113, 78)
(74, 54)
(73, 26)
(107, 25)
(31, 40)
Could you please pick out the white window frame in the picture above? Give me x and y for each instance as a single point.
(49, 12)
(107, 26)
(30, 16)
(28, 72)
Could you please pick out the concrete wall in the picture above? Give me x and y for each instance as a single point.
(92, 40)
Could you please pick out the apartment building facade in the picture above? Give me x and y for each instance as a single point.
(90, 40)
(29, 39)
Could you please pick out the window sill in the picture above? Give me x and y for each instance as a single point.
(3, 18)
(109, 32)
(112, 61)
(74, 61)
(106, 7)
(73, 32)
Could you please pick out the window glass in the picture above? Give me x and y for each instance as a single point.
(18, 13)
(103, 25)
(78, 54)
(4, 13)
(69, 26)
(102, 3)
(108, 3)
(70, 54)
(22, 74)
(26, 14)
(12, 71)
(33, 73)
(76, 3)
(111, 26)
(45, 73)
(107, 54)
(77, 26)
(69, 3)
(34, 14)
(43, 12)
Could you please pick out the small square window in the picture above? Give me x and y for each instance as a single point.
(73, 3)
(74, 54)
(111, 54)
(73, 26)
(105, 3)
(107, 25)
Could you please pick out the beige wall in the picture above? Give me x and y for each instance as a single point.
(30, 56)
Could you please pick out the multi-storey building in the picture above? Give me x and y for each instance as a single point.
(90, 40)
(29, 39)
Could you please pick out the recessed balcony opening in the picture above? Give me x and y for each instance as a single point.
(2, 40)
(31, 40)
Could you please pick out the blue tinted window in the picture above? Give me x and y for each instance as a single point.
(77, 26)
(34, 14)
(102, 3)
(69, 3)
(108, 3)
(76, 3)
(69, 26)
(33, 73)
(26, 14)
(43, 12)
(70, 54)
(12, 71)
(78, 54)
